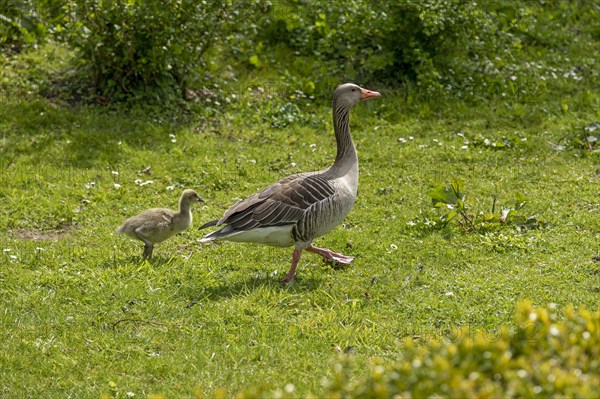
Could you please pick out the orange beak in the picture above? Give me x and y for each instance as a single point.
(366, 94)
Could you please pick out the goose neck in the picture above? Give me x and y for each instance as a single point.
(341, 128)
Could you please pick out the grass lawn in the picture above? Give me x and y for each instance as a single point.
(82, 315)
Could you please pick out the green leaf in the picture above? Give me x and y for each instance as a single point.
(442, 194)
(457, 187)
(521, 200)
(254, 60)
(512, 213)
(309, 87)
(449, 216)
(488, 217)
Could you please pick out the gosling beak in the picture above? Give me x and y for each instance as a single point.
(200, 199)
(367, 94)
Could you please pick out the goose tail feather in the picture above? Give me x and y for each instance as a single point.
(208, 224)
(219, 234)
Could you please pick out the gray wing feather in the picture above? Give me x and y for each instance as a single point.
(281, 203)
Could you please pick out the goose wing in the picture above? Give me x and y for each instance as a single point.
(279, 204)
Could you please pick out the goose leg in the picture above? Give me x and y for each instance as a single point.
(329, 255)
(295, 258)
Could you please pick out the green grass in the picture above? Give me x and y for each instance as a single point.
(83, 315)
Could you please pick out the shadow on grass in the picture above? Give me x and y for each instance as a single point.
(88, 134)
(158, 260)
(201, 291)
(246, 287)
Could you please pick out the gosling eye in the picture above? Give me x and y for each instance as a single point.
(353, 89)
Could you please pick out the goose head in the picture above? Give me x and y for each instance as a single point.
(348, 94)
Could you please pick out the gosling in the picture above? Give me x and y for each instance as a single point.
(158, 224)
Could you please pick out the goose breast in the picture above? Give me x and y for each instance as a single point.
(324, 215)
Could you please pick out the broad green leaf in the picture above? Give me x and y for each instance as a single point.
(521, 199)
(254, 60)
(512, 213)
(488, 217)
(457, 186)
(449, 216)
(309, 87)
(442, 194)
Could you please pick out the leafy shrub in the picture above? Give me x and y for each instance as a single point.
(452, 198)
(544, 355)
(590, 138)
(149, 49)
(454, 46)
(26, 22)
(157, 49)
(451, 201)
(385, 41)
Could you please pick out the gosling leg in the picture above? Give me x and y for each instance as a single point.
(148, 251)
(148, 246)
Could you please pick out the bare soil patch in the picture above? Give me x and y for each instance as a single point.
(37, 235)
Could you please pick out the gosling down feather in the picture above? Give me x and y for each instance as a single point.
(299, 208)
(155, 225)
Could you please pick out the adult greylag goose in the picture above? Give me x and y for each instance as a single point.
(297, 209)
(155, 225)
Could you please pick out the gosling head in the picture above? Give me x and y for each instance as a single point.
(348, 94)
(190, 196)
